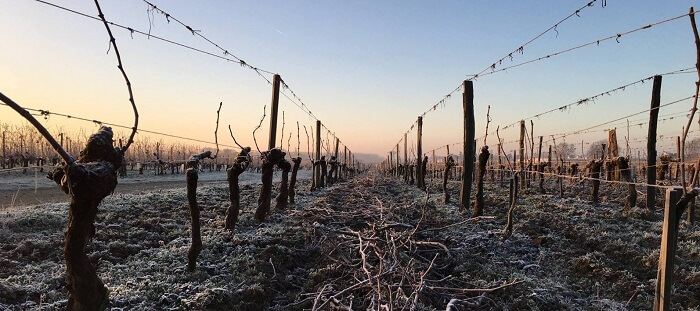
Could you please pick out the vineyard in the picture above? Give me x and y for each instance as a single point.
(588, 204)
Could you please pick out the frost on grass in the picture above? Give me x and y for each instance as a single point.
(568, 253)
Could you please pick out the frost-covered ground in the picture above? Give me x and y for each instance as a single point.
(568, 253)
(21, 189)
(34, 179)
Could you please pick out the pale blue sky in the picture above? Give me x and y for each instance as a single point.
(367, 69)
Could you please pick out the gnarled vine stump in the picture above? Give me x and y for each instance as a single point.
(270, 159)
(313, 175)
(238, 167)
(623, 165)
(594, 167)
(293, 181)
(423, 171)
(283, 196)
(540, 169)
(508, 229)
(662, 169)
(333, 173)
(195, 234)
(324, 172)
(449, 163)
(481, 171)
(89, 180)
(191, 177)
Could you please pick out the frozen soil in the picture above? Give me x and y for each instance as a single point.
(371, 242)
(21, 189)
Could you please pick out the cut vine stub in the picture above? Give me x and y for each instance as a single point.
(481, 171)
(594, 167)
(238, 167)
(270, 159)
(293, 181)
(449, 163)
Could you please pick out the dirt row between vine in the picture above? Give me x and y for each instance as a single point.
(371, 242)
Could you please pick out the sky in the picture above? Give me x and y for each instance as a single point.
(366, 69)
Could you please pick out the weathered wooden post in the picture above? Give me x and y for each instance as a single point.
(448, 154)
(468, 145)
(667, 256)
(4, 156)
(434, 168)
(500, 166)
(398, 162)
(531, 174)
(540, 168)
(678, 158)
(420, 183)
(423, 169)
(345, 162)
(337, 144)
(405, 157)
(691, 211)
(651, 142)
(522, 154)
(473, 162)
(317, 168)
(613, 153)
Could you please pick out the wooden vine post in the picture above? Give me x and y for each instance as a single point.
(613, 153)
(424, 168)
(398, 162)
(405, 157)
(678, 158)
(540, 168)
(317, 166)
(420, 182)
(334, 164)
(4, 155)
(667, 256)
(468, 145)
(501, 167)
(675, 204)
(651, 142)
(345, 162)
(434, 168)
(522, 154)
